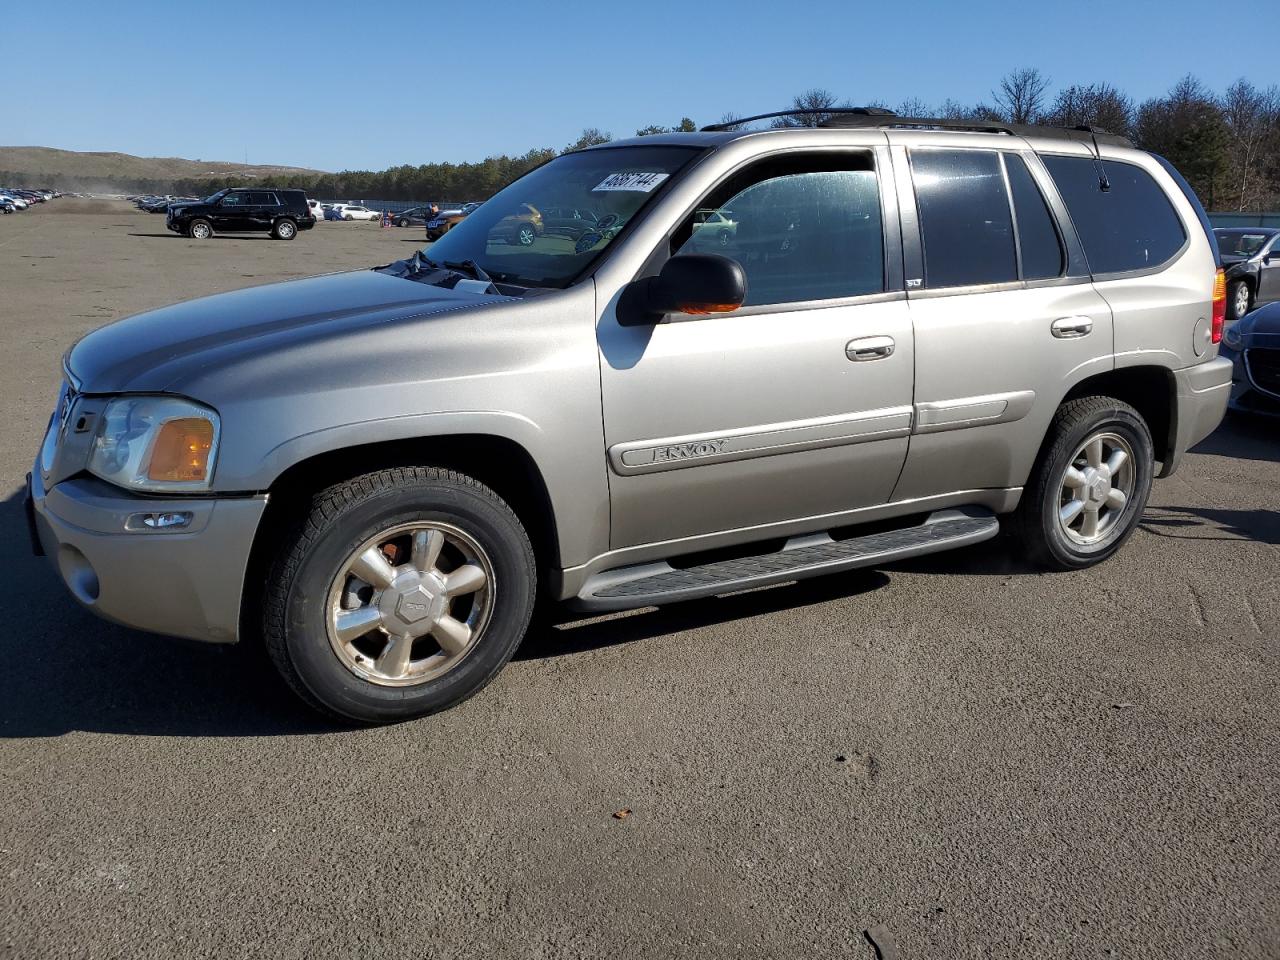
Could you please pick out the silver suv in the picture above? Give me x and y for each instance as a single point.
(914, 330)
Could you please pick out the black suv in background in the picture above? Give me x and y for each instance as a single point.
(281, 213)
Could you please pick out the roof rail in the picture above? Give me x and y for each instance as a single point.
(877, 118)
(840, 111)
(1082, 132)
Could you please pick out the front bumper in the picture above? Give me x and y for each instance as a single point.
(1202, 392)
(186, 583)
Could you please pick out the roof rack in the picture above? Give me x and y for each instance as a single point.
(842, 111)
(875, 118)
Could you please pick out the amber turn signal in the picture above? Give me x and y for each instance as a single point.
(701, 309)
(181, 451)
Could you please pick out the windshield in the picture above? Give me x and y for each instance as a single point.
(515, 238)
(1241, 244)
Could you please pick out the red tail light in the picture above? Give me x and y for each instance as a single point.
(1219, 307)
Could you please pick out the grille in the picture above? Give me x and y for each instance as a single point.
(1264, 369)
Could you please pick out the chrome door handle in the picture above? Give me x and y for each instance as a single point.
(869, 348)
(1066, 328)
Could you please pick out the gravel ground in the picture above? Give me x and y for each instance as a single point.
(959, 754)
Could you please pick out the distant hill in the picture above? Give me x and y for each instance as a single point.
(50, 162)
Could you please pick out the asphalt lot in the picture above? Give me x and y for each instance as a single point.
(961, 754)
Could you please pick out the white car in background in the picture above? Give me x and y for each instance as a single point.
(16, 201)
(354, 211)
(316, 209)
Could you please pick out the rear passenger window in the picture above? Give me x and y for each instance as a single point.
(1038, 242)
(1132, 226)
(806, 228)
(965, 223)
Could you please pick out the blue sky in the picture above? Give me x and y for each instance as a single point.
(348, 86)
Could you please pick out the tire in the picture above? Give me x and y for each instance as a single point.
(1048, 538)
(309, 588)
(284, 230)
(199, 230)
(347, 216)
(1239, 299)
(524, 235)
(402, 223)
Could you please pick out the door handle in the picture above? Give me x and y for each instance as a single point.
(869, 348)
(1067, 328)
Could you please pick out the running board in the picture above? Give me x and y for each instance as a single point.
(654, 584)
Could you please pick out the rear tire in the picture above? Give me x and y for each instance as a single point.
(1239, 299)
(284, 230)
(1090, 484)
(311, 594)
(199, 230)
(524, 235)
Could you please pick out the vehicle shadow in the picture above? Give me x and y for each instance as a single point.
(216, 236)
(1213, 523)
(1244, 437)
(560, 632)
(69, 670)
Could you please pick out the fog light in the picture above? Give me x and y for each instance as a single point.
(159, 521)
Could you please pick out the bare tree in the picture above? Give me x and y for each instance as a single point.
(816, 103)
(731, 121)
(1252, 117)
(1097, 105)
(1020, 96)
(914, 107)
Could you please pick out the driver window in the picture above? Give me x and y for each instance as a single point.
(231, 200)
(803, 229)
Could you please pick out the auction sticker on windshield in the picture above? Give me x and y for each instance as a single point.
(635, 182)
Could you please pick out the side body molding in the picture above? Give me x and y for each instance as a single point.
(744, 443)
(938, 415)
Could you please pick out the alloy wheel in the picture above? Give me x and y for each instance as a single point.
(409, 604)
(1095, 487)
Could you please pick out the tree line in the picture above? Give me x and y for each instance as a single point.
(1226, 145)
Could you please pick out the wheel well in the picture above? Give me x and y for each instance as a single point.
(500, 464)
(1149, 390)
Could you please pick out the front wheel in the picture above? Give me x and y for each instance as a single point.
(402, 223)
(1239, 299)
(401, 594)
(1090, 484)
(347, 216)
(199, 230)
(525, 235)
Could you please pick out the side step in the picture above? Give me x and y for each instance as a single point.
(808, 556)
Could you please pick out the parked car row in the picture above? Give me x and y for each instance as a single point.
(13, 199)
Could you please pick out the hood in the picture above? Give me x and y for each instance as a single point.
(1261, 328)
(153, 351)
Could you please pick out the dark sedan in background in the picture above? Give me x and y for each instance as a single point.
(1253, 344)
(1251, 257)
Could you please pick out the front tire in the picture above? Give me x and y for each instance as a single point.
(525, 235)
(402, 593)
(347, 216)
(199, 230)
(1089, 486)
(1239, 299)
(402, 223)
(284, 230)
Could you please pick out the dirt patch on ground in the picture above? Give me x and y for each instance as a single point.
(78, 205)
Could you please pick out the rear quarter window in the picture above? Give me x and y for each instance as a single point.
(1131, 226)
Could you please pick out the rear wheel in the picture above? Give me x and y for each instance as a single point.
(525, 235)
(403, 593)
(199, 230)
(1239, 299)
(284, 230)
(1090, 484)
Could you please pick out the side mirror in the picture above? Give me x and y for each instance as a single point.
(694, 283)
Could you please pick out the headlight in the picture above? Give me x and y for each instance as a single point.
(155, 444)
